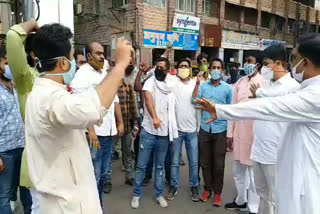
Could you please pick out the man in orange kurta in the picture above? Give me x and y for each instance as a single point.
(240, 139)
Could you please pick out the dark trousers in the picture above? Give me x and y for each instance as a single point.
(212, 148)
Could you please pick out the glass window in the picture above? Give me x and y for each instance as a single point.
(190, 6)
(180, 4)
(159, 3)
(185, 5)
(119, 3)
(206, 7)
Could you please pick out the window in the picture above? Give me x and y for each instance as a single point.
(250, 16)
(119, 3)
(206, 7)
(185, 5)
(279, 23)
(159, 3)
(265, 20)
(291, 26)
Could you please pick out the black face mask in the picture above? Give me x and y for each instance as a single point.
(129, 70)
(159, 74)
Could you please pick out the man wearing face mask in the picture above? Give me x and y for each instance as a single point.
(297, 168)
(11, 138)
(265, 144)
(183, 87)
(212, 137)
(158, 128)
(100, 137)
(240, 140)
(129, 112)
(60, 165)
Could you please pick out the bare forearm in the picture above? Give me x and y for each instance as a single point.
(195, 91)
(118, 114)
(28, 26)
(137, 83)
(150, 106)
(108, 88)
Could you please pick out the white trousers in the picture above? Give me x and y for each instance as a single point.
(244, 181)
(35, 201)
(264, 177)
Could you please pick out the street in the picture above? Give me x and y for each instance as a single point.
(118, 202)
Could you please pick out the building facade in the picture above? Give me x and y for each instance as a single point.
(229, 29)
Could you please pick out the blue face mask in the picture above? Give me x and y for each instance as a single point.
(69, 75)
(249, 69)
(215, 74)
(7, 72)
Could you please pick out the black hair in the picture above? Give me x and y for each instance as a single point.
(3, 52)
(276, 52)
(201, 56)
(76, 54)
(28, 47)
(217, 60)
(50, 41)
(164, 59)
(309, 47)
(184, 60)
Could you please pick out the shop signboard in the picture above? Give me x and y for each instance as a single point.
(179, 41)
(186, 24)
(264, 43)
(238, 40)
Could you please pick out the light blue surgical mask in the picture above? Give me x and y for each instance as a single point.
(7, 72)
(67, 76)
(249, 69)
(215, 74)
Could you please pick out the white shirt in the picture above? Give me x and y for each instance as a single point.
(298, 164)
(185, 111)
(87, 77)
(267, 136)
(59, 161)
(162, 113)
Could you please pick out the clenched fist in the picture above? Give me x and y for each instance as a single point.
(123, 52)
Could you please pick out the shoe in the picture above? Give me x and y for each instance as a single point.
(129, 181)
(135, 202)
(217, 200)
(171, 193)
(13, 205)
(107, 187)
(234, 206)
(205, 196)
(123, 169)
(146, 181)
(162, 202)
(182, 163)
(195, 194)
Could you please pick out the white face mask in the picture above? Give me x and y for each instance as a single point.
(297, 76)
(266, 73)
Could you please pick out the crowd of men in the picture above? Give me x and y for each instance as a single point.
(63, 114)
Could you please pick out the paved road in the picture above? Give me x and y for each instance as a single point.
(118, 202)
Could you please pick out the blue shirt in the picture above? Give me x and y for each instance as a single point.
(11, 125)
(220, 94)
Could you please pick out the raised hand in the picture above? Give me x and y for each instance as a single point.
(253, 89)
(123, 52)
(208, 106)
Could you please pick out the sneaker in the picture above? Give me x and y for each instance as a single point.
(13, 205)
(195, 194)
(217, 200)
(162, 202)
(107, 187)
(129, 181)
(234, 206)
(135, 202)
(171, 193)
(205, 196)
(146, 181)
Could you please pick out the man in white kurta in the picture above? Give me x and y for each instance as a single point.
(298, 164)
(59, 160)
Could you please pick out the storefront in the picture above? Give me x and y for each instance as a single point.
(236, 46)
(210, 40)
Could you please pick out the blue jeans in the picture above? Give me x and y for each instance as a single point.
(191, 142)
(101, 159)
(149, 169)
(9, 178)
(149, 143)
(108, 174)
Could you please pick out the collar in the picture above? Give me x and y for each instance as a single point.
(283, 79)
(48, 82)
(311, 81)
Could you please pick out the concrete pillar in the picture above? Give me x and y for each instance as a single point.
(221, 54)
(240, 57)
(222, 12)
(259, 13)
